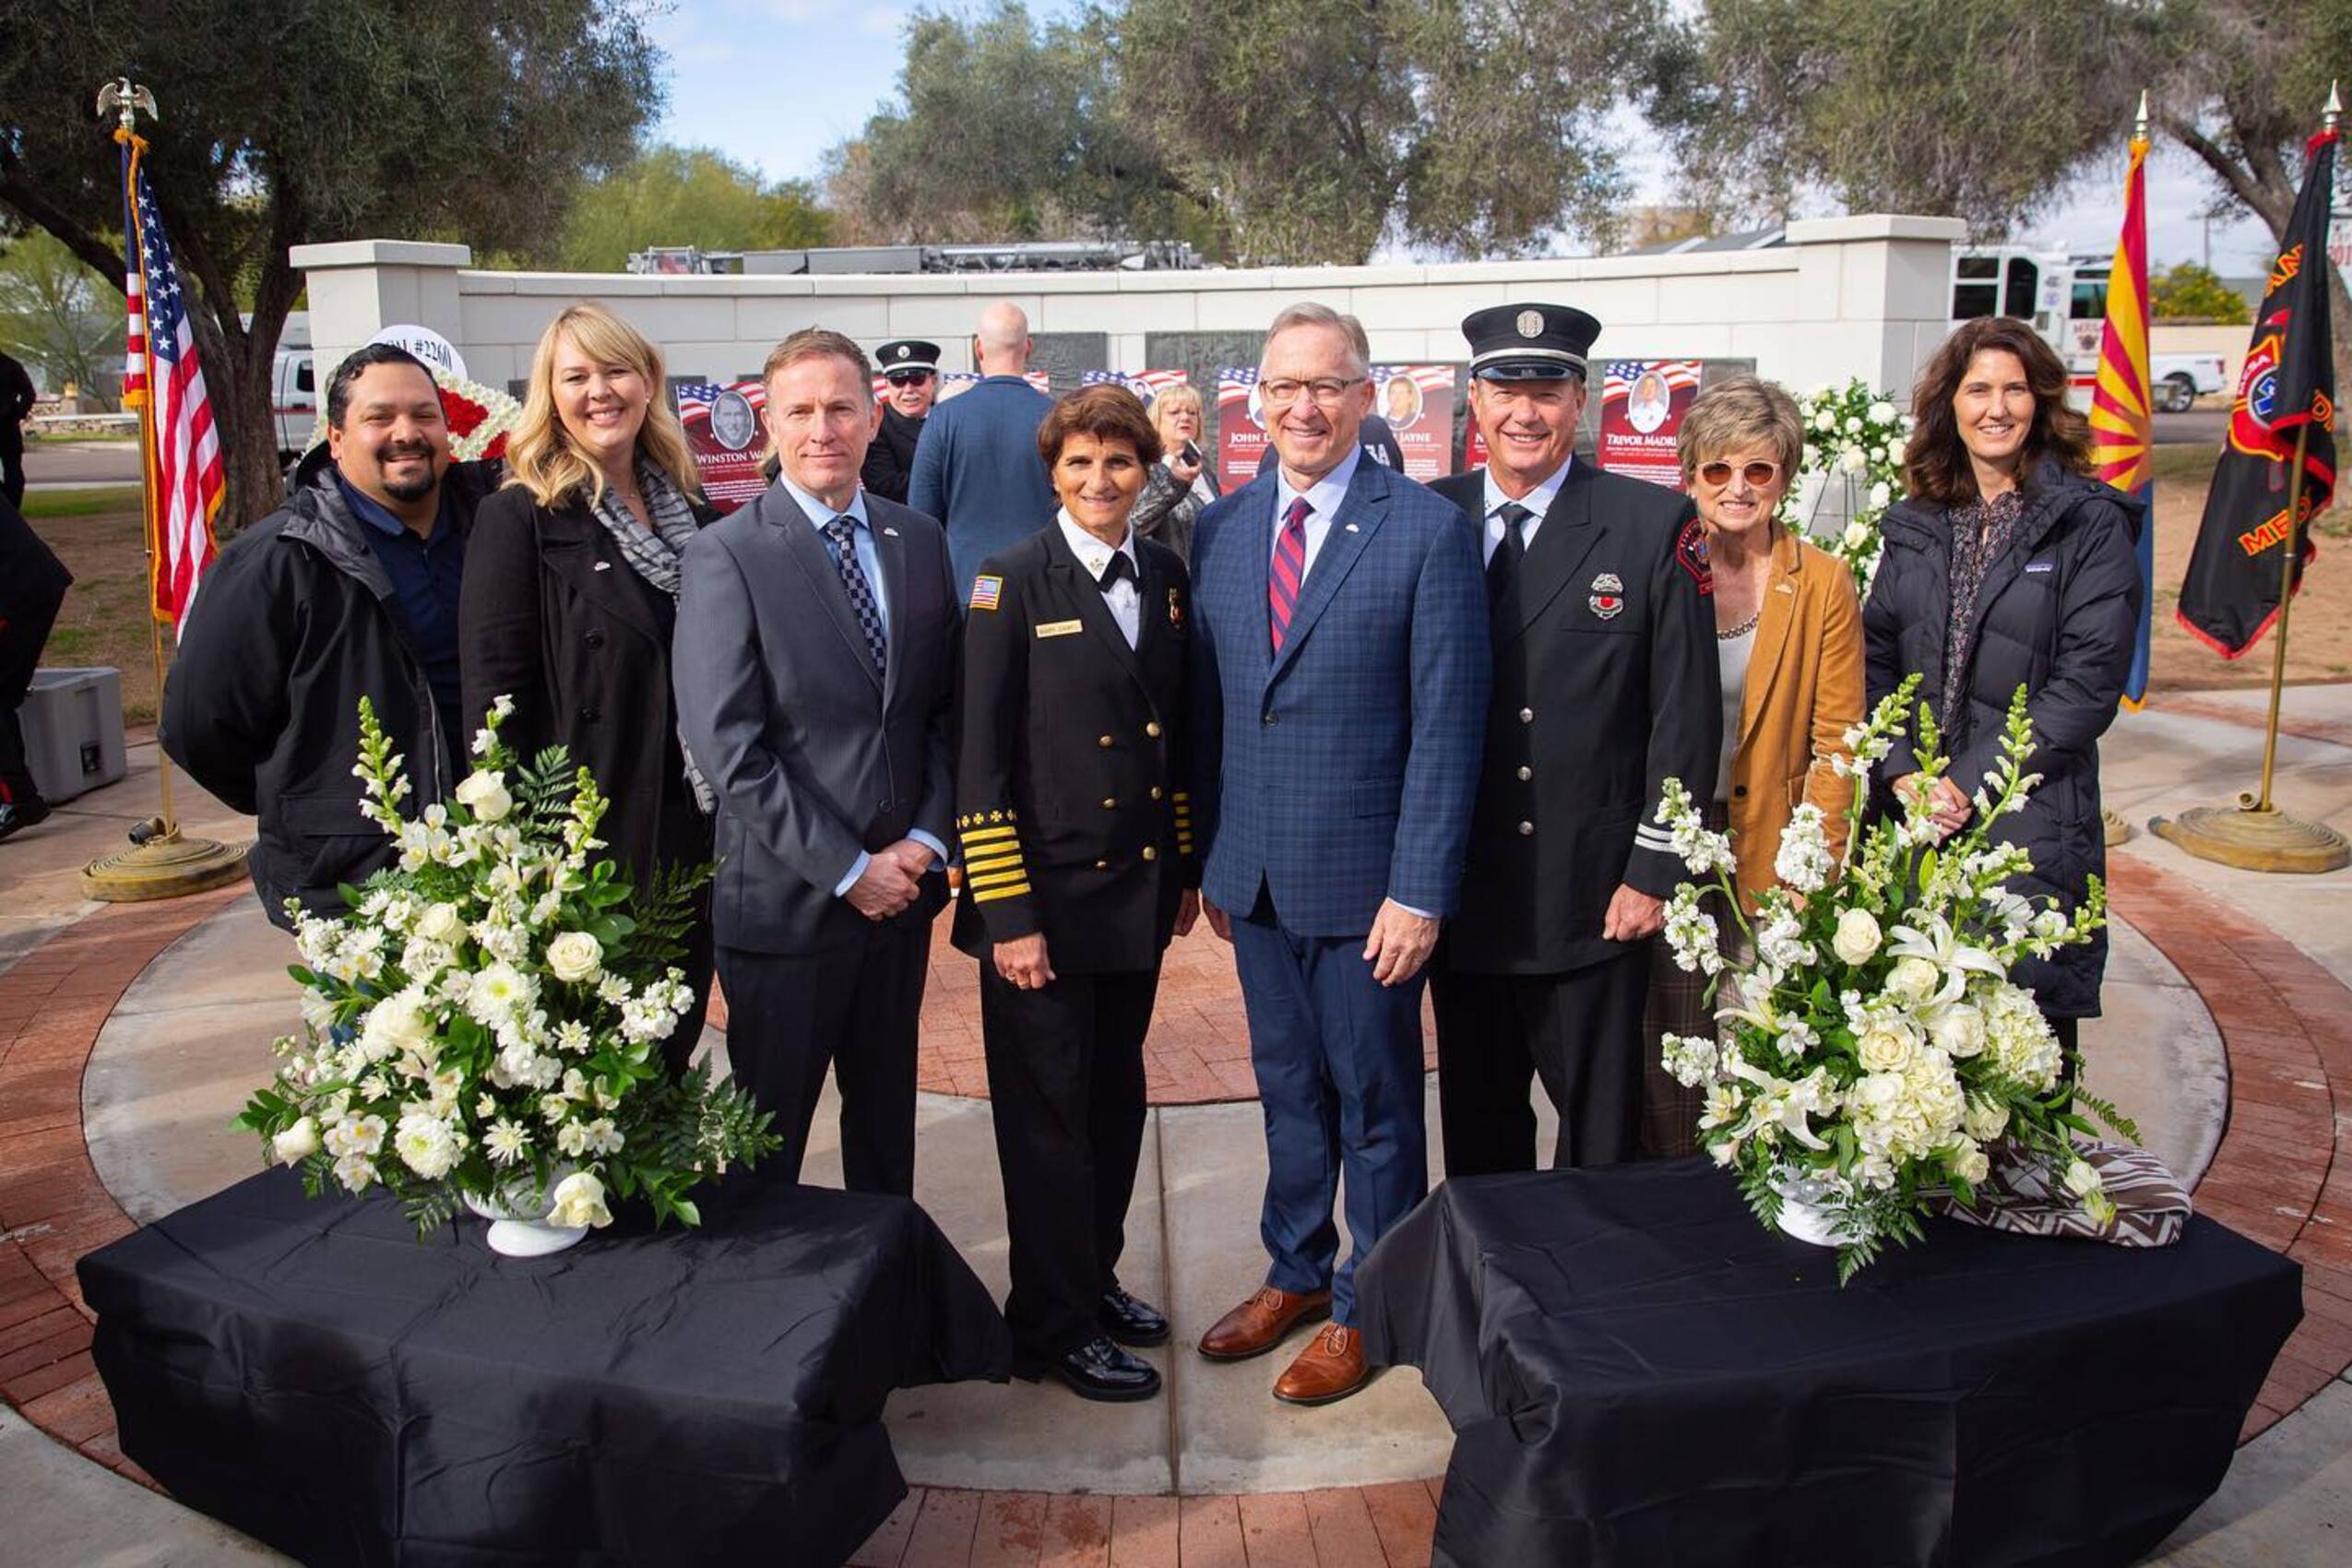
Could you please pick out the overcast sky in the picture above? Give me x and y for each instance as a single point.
(773, 83)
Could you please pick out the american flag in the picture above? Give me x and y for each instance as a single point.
(1623, 373)
(1233, 385)
(695, 397)
(1143, 384)
(1428, 377)
(185, 480)
(1041, 379)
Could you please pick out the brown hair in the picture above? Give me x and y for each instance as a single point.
(1103, 412)
(815, 343)
(540, 457)
(1935, 464)
(1739, 411)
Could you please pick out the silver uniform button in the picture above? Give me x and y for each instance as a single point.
(1527, 830)
(1526, 716)
(1526, 774)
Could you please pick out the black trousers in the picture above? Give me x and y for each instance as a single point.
(1580, 1032)
(21, 637)
(1066, 1084)
(12, 461)
(854, 1008)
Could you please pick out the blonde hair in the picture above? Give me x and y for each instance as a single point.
(540, 456)
(1183, 395)
(1740, 411)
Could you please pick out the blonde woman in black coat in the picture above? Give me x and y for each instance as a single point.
(570, 596)
(2009, 566)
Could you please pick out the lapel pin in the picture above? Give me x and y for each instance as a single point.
(604, 566)
(1352, 527)
(892, 532)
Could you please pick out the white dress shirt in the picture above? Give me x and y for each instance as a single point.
(1538, 501)
(1125, 599)
(1325, 496)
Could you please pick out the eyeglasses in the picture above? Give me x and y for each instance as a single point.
(907, 377)
(1758, 474)
(1326, 391)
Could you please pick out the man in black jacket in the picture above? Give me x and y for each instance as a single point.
(32, 585)
(349, 590)
(16, 406)
(1605, 684)
(912, 367)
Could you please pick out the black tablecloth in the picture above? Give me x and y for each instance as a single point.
(312, 1374)
(1637, 1374)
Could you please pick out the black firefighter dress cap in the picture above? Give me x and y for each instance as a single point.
(1528, 342)
(908, 353)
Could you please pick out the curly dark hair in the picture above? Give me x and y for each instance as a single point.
(1935, 464)
(1106, 414)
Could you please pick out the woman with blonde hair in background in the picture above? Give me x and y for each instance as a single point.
(570, 596)
(1788, 640)
(1184, 480)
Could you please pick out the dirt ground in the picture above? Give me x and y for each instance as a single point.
(100, 622)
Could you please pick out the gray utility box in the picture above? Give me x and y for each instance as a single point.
(73, 721)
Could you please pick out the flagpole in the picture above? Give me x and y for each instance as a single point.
(2292, 552)
(159, 863)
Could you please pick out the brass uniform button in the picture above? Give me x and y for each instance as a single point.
(1156, 791)
(1103, 741)
(1102, 865)
(1152, 728)
(1527, 830)
(1150, 852)
(1110, 802)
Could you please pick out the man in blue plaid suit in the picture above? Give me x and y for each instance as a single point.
(1341, 670)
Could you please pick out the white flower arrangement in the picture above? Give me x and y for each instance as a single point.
(1874, 1050)
(487, 1019)
(1854, 440)
(481, 417)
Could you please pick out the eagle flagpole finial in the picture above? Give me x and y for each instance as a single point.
(127, 100)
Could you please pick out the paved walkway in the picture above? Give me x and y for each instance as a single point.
(123, 1032)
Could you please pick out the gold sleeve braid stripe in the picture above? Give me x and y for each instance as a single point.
(1183, 801)
(989, 895)
(993, 867)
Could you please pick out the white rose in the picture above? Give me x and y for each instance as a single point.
(578, 1202)
(1913, 979)
(297, 1143)
(1884, 1047)
(1882, 413)
(575, 955)
(1959, 1030)
(1853, 459)
(1857, 938)
(484, 794)
(1972, 1167)
(1825, 421)
(441, 923)
(1880, 494)
(1853, 424)
(1858, 534)
(2083, 1181)
(1986, 1118)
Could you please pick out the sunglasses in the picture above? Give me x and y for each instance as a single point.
(907, 377)
(1759, 474)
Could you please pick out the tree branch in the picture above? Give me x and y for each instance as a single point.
(2240, 182)
(20, 194)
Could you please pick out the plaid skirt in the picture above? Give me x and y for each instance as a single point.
(1677, 1005)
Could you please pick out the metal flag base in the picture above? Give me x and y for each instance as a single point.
(160, 864)
(2255, 838)
(2118, 830)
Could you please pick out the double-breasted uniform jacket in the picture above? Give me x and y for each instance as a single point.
(1606, 684)
(555, 617)
(1071, 808)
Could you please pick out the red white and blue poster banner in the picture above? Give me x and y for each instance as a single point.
(1145, 383)
(1418, 402)
(1642, 405)
(1241, 427)
(724, 433)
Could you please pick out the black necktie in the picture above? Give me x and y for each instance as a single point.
(842, 531)
(1502, 568)
(1120, 566)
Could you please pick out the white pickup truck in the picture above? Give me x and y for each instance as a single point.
(293, 401)
(2182, 379)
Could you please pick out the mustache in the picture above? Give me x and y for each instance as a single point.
(407, 449)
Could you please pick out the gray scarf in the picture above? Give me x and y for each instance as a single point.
(652, 554)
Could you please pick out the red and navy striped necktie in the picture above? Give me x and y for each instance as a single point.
(1289, 572)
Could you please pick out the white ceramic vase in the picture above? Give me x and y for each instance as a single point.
(1805, 1212)
(518, 1223)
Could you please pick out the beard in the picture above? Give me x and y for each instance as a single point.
(411, 489)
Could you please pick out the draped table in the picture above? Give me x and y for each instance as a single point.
(1638, 1372)
(309, 1371)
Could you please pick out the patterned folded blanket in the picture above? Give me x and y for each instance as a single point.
(2025, 1194)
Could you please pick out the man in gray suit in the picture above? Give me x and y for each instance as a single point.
(814, 671)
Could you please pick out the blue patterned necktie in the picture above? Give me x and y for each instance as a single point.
(842, 531)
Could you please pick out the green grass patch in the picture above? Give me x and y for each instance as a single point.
(85, 501)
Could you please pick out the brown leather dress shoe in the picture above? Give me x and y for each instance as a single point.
(1331, 1367)
(1258, 1324)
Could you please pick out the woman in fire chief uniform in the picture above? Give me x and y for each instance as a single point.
(1078, 866)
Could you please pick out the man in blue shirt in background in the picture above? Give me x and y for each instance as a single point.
(976, 467)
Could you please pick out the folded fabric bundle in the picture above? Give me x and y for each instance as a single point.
(2027, 1195)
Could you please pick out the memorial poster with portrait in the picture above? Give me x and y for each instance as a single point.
(1241, 427)
(1418, 402)
(1473, 441)
(724, 432)
(1642, 405)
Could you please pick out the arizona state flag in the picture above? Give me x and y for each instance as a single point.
(2230, 596)
(2120, 421)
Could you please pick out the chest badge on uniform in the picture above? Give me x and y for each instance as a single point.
(1607, 601)
(1175, 610)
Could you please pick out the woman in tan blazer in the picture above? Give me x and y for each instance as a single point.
(1788, 631)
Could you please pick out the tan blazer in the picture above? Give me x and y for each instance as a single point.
(1804, 689)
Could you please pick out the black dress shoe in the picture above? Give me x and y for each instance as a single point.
(1130, 1322)
(1099, 1370)
(17, 815)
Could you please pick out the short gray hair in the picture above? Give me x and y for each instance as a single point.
(1307, 312)
(1743, 411)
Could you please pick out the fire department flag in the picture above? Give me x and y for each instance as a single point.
(2120, 422)
(2230, 594)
